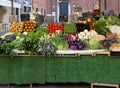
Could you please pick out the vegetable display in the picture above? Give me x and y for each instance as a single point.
(53, 28)
(43, 40)
(27, 26)
(60, 41)
(45, 46)
(10, 38)
(69, 28)
(95, 45)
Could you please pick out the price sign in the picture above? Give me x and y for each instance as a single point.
(78, 9)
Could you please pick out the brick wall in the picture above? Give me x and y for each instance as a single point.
(87, 5)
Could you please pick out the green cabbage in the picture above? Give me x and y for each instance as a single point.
(94, 44)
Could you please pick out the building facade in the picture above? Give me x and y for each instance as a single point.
(26, 6)
(56, 8)
(39, 6)
(5, 10)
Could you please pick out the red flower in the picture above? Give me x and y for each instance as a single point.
(90, 23)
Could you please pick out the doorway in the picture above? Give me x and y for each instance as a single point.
(63, 12)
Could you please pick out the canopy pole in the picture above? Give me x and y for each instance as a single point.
(11, 7)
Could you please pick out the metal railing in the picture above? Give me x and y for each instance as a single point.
(5, 28)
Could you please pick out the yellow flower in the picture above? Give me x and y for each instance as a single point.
(89, 19)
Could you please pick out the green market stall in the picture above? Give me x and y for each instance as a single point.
(41, 70)
(44, 65)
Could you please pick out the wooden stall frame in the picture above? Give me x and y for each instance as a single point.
(102, 53)
(104, 84)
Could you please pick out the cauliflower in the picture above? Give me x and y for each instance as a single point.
(85, 31)
(88, 34)
(85, 37)
(82, 33)
(80, 36)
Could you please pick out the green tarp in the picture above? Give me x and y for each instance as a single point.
(37, 69)
(22, 70)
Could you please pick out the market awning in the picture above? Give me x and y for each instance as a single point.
(7, 3)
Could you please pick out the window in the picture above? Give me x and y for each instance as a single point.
(29, 9)
(17, 11)
(36, 9)
(24, 8)
(30, 3)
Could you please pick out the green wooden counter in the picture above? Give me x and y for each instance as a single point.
(36, 69)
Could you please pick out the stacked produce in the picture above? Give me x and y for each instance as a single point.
(17, 27)
(115, 47)
(30, 26)
(86, 34)
(20, 27)
(53, 28)
(42, 40)
(75, 43)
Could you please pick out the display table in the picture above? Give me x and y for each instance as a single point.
(37, 69)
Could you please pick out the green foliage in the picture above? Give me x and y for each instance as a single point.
(30, 43)
(60, 41)
(42, 29)
(112, 20)
(101, 27)
(6, 48)
(69, 28)
(17, 44)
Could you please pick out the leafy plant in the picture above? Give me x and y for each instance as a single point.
(101, 28)
(112, 20)
(60, 41)
(69, 28)
(45, 46)
(6, 48)
(30, 43)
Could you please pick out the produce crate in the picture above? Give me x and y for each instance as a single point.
(25, 17)
(115, 53)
